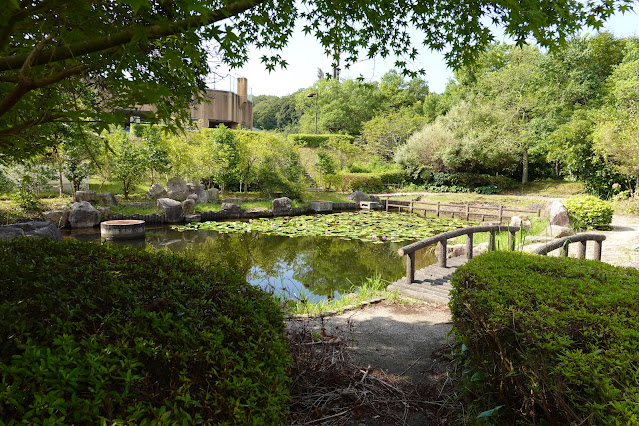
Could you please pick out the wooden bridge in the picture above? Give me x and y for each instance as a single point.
(432, 284)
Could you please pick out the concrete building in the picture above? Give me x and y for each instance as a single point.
(234, 109)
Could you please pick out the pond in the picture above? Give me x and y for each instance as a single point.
(317, 267)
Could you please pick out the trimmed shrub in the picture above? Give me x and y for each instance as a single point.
(397, 177)
(366, 182)
(93, 334)
(472, 180)
(552, 339)
(588, 211)
(315, 141)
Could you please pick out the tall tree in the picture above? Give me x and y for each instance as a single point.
(147, 51)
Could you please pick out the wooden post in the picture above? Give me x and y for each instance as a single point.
(437, 211)
(564, 249)
(511, 241)
(387, 201)
(469, 246)
(491, 241)
(483, 218)
(411, 205)
(410, 267)
(441, 248)
(581, 250)
(598, 250)
(538, 212)
(467, 210)
(501, 213)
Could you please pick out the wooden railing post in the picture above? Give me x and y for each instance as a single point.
(598, 250)
(410, 267)
(467, 210)
(581, 250)
(442, 249)
(511, 241)
(491, 241)
(469, 246)
(387, 202)
(411, 205)
(501, 213)
(437, 211)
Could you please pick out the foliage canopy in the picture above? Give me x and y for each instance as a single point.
(59, 58)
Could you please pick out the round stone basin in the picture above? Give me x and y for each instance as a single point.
(122, 229)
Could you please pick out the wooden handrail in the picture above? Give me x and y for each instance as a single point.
(564, 242)
(441, 241)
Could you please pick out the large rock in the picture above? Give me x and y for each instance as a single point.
(281, 206)
(257, 212)
(213, 193)
(358, 197)
(200, 191)
(557, 231)
(188, 206)
(31, 229)
(83, 215)
(233, 211)
(105, 212)
(84, 196)
(177, 189)
(156, 191)
(520, 221)
(172, 209)
(559, 214)
(59, 218)
(106, 199)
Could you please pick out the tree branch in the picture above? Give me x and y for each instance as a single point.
(152, 32)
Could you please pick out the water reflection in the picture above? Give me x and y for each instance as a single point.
(319, 267)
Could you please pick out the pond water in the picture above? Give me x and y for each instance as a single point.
(318, 267)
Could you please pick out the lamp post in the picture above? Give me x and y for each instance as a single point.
(314, 95)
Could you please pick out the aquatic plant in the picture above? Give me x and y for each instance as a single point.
(375, 227)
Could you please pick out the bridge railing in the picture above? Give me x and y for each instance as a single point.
(442, 241)
(563, 244)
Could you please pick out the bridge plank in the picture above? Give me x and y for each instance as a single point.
(431, 284)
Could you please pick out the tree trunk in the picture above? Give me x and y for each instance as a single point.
(637, 187)
(61, 183)
(524, 174)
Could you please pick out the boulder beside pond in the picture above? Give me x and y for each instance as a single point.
(84, 196)
(106, 199)
(31, 229)
(177, 189)
(233, 211)
(83, 215)
(282, 206)
(156, 191)
(59, 218)
(188, 206)
(172, 209)
(199, 191)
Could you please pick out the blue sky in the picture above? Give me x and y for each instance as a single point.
(305, 55)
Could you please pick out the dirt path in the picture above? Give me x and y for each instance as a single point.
(621, 246)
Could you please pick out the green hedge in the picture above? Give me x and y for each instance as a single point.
(315, 141)
(552, 340)
(472, 180)
(94, 334)
(369, 182)
(588, 211)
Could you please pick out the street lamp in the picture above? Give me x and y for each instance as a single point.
(314, 95)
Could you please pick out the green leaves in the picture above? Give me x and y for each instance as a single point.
(375, 227)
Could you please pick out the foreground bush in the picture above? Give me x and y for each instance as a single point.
(92, 334)
(552, 339)
(588, 211)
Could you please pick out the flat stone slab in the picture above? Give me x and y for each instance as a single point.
(432, 284)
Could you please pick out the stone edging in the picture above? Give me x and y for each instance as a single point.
(336, 311)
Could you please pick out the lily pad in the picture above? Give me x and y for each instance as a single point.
(375, 227)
